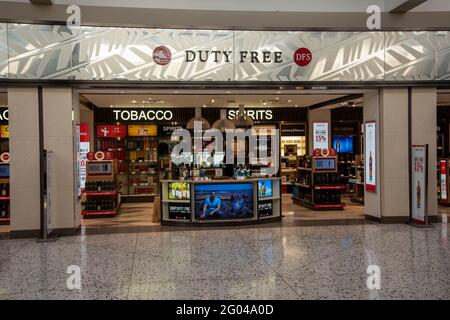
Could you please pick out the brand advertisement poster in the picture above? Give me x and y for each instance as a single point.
(111, 131)
(83, 151)
(370, 157)
(4, 131)
(320, 135)
(443, 178)
(419, 183)
(142, 130)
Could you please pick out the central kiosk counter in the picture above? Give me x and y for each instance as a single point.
(220, 201)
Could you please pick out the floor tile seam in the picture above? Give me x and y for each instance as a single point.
(274, 270)
(132, 266)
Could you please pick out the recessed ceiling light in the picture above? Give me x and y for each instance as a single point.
(264, 103)
(227, 91)
(176, 92)
(296, 105)
(277, 98)
(212, 100)
(133, 101)
(278, 92)
(111, 106)
(290, 100)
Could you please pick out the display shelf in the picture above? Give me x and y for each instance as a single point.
(5, 220)
(99, 213)
(99, 193)
(329, 187)
(318, 185)
(176, 201)
(5, 198)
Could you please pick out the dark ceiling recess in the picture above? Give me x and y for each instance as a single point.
(331, 102)
(43, 2)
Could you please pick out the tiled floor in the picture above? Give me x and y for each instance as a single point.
(253, 263)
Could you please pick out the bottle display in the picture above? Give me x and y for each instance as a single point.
(418, 195)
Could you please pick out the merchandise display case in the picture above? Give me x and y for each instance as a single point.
(229, 201)
(318, 185)
(5, 217)
(101, 197)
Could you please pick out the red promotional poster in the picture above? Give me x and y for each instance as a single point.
(111, 131)
(84, 132)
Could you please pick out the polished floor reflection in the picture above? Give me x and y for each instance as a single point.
(249, 263)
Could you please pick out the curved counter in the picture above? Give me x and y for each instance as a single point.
(220, 202)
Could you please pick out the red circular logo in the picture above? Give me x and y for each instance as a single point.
(162, 55)
(302, 57)
(90, 156)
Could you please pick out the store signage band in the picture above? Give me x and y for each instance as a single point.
(142, 115)
(255, 114)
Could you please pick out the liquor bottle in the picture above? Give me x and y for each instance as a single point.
(370, 166)
(419, 194)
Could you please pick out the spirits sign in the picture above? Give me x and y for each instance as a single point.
(419, 184)
(370, 157)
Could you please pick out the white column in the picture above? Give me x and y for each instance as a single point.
(389, 108)
(24, 150)
(424, 124)
(59, 137)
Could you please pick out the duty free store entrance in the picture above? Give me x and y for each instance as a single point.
(64, 99)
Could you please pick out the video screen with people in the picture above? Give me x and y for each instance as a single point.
(223, 201)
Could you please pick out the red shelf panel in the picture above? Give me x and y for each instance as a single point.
(5, 219)
(100, 193)
(326, 206)
(98, 213)
(5, 198)
(329, 187)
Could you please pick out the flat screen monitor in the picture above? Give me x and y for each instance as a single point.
(265, 189)
(343, 144)
(223, 201)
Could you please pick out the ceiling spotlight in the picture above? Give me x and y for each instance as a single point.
(133, 101)
(278, 92)
(277, 98)
(227, 91)
(290, 100)
(264, 103)
(212, 100)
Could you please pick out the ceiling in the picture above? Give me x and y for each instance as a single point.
(210, 100)
(261, 5)
(191, 98)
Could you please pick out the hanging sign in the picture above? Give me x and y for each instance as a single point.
(370, 157)
(419, 184)
(111, 131)
(142, 130)
(443, 176)
(320, 135)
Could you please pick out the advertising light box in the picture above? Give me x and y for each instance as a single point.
(223, 201)
(370, 157)
(265, 189)
(142, 130)
(320, 135)
(111, 131)
(4, 131)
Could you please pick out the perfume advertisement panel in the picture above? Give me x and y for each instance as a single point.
(419, 179)
(370, 157)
